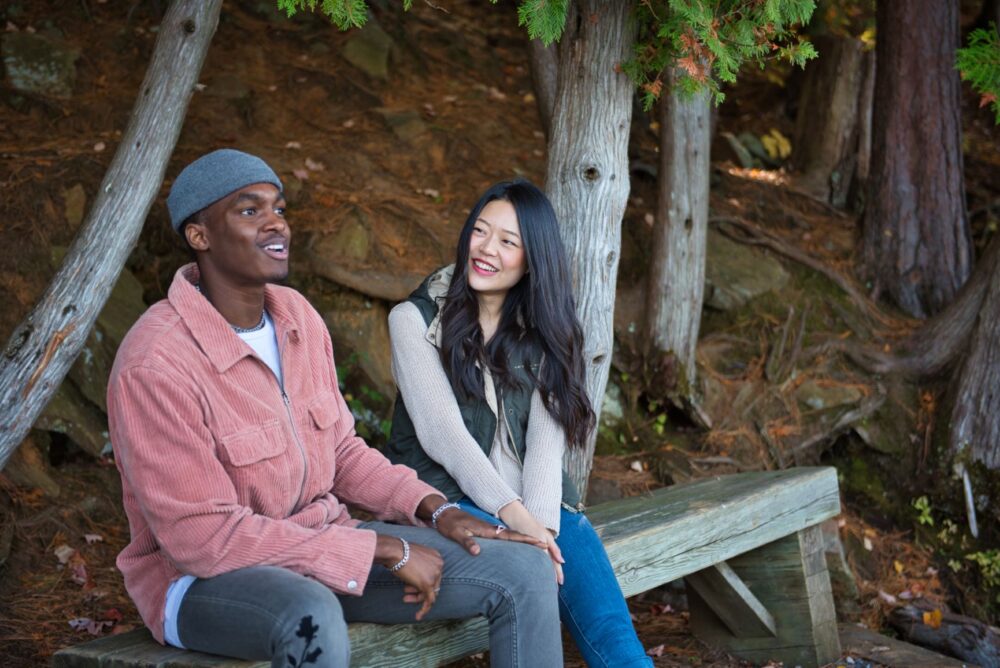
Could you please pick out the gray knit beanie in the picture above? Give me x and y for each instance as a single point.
(213, 176)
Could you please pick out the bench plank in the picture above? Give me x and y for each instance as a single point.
(651, 540)
(682, 529)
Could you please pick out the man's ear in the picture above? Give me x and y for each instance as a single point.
(197, 236)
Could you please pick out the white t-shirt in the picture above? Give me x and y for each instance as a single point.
(265, 343)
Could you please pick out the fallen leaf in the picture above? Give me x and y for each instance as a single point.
(293, 144)
(89, 625)
(314, 165)
(656, 651)
(301, 174)
(99, 146)
(868, 544)
(63, 553)
(933, 618)
(78, 574)
(636, 466)
(660, 609)
(898, 565)
(987, 98)
(112, 615)
(905, 595)
(92, 538)
(887, 597)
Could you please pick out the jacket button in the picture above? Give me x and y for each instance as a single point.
(352, 585)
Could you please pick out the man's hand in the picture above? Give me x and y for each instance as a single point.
(463, 528)
(421, 575)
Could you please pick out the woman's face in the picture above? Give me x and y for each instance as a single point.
(496, 250)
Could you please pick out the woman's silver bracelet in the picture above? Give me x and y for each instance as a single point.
(406, 556)
(440, 509)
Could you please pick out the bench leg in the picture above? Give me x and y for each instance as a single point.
(787, 577)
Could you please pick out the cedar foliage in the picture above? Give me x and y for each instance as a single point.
(709, 40)
(979, 64)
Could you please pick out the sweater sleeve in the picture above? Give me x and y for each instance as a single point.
(168, 457)
(545, 445)
(431, 404)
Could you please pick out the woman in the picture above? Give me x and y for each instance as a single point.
(488, 358)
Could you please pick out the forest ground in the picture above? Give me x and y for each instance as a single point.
(405, 155)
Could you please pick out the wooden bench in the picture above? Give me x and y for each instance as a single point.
(748, 546)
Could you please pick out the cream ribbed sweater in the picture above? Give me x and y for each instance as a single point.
(491, 482)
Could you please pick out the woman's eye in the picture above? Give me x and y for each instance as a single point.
(280, 211)
(248, 212)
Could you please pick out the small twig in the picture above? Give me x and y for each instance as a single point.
(774, 359)
(844, 422)
(437, 7)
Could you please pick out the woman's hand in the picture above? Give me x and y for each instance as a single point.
(421, 575)
(463, 528)
(516, 516)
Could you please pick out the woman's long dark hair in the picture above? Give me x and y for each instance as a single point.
(538, 314)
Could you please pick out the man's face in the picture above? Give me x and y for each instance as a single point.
(244, 237)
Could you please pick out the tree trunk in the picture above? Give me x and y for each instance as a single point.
(827, 127)
(860, 185)
(545, 75)
(43, 347)
(974, 430)
(588, 180)
(677, 273)
(916, 246)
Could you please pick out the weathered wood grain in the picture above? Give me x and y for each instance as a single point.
(732, 601)
(683, 529)
(587, 179)
(794, 585)
(651, 540)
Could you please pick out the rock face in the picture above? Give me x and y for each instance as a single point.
(735, 273)
(359, 328)
(38, 65)
(368, 49)
(386, 259)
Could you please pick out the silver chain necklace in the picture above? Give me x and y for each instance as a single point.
(241, 330)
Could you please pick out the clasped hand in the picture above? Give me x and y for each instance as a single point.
(422, 573)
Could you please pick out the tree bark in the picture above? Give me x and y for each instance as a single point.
(545, 75)
(916, 246)
(588, 179)
(43, 347)
(960, 636)
(827, 127)
(974, 429)
(677, 273)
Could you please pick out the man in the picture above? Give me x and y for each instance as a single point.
(237, 453)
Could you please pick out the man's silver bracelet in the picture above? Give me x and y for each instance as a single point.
(440, 509)
(406, 556)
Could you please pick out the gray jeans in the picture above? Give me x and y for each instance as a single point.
(266, 612)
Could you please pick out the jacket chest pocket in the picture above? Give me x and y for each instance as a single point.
(256, 459)
(321, 434)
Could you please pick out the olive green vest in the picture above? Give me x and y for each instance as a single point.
(404, 446)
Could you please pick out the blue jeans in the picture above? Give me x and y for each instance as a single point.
(591, 604)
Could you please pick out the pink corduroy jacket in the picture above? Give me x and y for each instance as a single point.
(223, 468)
